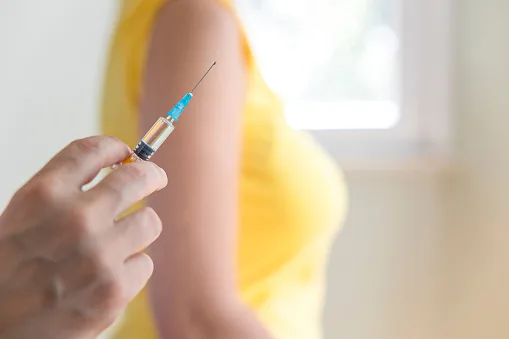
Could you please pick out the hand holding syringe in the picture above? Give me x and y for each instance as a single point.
(163, 127)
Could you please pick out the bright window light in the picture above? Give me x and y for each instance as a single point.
(335, 63)
(348, 115)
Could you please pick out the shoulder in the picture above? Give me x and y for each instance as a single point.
(197, 30)
(198, 16)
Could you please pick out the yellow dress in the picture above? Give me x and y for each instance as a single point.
(292, 197)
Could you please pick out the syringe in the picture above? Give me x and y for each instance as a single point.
(163, 127)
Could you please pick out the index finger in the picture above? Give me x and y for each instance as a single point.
(79, 162)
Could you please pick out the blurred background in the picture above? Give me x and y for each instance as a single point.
(411, 97)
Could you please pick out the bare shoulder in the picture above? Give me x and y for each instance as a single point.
(204, 16)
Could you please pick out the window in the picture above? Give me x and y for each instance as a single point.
(369, 78)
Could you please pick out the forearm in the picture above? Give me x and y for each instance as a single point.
(214, 322)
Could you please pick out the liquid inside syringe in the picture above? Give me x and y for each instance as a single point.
(163, 127)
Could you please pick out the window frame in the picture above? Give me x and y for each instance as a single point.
(424, 130)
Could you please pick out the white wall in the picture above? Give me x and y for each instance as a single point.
(478, 232)
(51, 60)
(385, 275)
(423, 255)
(427, 256)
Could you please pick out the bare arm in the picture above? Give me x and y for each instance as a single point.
(193, 291)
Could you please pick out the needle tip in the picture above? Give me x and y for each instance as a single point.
(199, 82)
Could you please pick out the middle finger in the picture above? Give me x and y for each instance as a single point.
(127, 185)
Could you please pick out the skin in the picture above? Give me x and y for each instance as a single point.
(69, 267)
(193, 291)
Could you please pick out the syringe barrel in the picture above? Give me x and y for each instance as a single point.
(154, 138)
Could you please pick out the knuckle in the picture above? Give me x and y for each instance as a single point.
(94, 265)
(137, 172)
(109, 294)
(150, 216)
(90, 144)
(44, 189)
(96, 143)
(151, 219)
(81, 220)
(113, 192)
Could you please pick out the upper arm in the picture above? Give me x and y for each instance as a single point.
(194, 257)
